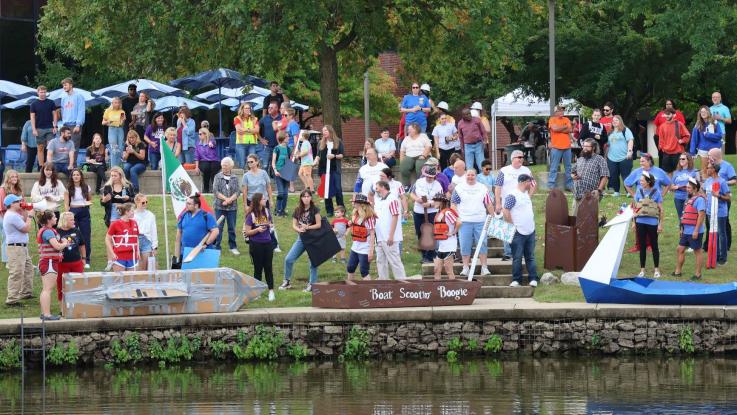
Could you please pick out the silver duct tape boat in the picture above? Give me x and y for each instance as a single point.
(139, 293)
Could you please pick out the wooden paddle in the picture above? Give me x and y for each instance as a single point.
(200, 246)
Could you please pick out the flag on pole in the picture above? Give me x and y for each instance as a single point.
(178, 182)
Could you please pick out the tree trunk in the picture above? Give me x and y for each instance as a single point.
(328, 58)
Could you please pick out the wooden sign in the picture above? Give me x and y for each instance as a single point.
(393, 293)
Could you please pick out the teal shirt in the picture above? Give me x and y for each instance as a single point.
(282, 153)
(618, 144)
(722, 110)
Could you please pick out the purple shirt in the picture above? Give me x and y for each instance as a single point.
(203, 152)
(155, 134)
(261, 237)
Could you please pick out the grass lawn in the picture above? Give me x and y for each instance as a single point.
(333, 272)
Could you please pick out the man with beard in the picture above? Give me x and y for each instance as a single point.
(692, 228)
(590, 173)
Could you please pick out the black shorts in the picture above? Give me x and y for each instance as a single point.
(442, 255)
(688, 241)
(670, 162)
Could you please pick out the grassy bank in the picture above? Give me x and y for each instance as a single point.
(333, 272)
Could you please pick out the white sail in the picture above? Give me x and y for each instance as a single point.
(604, 262)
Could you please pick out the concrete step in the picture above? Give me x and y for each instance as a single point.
(493, 252)
(495, 265)
(499, 280)
(494, 243)
(506, 292)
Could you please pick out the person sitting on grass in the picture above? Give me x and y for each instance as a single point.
(445, 229)
(692, 228)
(362, 226)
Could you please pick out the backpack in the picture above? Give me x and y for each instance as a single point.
(647, 207)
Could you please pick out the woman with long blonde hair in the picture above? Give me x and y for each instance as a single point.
(134, 157)
(246, 134)
(114, 119)
(11, 186)
(335, 156)
(116, 191)
(706, 134)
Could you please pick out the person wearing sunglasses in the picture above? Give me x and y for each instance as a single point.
(415, 107)
(148, 239)
(506, 183)
(681, 176)
(606, 119)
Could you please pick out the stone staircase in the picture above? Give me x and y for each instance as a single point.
(495, 285)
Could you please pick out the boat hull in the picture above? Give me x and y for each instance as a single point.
(392, 293)
(658, 292)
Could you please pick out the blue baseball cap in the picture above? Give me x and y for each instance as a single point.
(10, 199)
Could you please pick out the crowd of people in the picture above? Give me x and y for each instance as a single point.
(446, 176)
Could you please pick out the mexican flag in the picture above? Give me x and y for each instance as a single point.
(178, 182)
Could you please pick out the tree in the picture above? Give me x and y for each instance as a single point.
(635, 53)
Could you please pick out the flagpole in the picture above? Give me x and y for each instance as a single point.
(162, 143)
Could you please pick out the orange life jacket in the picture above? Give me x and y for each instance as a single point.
(45, 250)
(690, 213)
(440, 226)
(359, 232)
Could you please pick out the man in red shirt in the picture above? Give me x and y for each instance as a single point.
(606, 120)
(673, 137)
(472, 135)
(560, 147)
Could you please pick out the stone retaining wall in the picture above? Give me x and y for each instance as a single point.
(327, 339)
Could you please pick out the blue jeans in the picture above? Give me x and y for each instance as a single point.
(469, 235)
(264, 153)
(354, 260)
(116, 137)
(62, 168)
(230, 218)
(282, 194)
(132, 171)
(679, 206)
(507, 249)
(474, 153)
(617, 170)
(187, 156)
(154, 159)
(242, 151)
(84, 223)
(292, 256)
(523, 246)
(555, 158)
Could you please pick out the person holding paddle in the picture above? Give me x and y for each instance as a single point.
(330, 149)
(716, 188)
(194, 225)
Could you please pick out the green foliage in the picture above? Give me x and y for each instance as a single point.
(472, 345)
(685, 340)
(455, 344)
(264, 345)
(356, 345)
(451, 356)
(10, 356)
(494, 367)
(494, 344)
(60, 355)
(595, 340)
(127, 351)
(219, 349)
(297, 351)
(177, 349)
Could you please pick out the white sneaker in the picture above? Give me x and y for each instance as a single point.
(514, 284)
(464, 271)
(235, 252)
(109, 266)
(277, 250)
(689, 250)
(656, 275)
(641, 274)
(615, 194)
(308, 288)
(285, 285)
(484, 272)
(272, 297)
(533, 283)
(86, 266)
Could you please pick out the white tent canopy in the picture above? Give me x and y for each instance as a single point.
(519, 104)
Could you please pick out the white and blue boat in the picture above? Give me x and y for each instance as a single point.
(600, 283)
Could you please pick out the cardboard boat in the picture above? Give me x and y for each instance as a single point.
(140, 293)
(393, 293)
(600, 284)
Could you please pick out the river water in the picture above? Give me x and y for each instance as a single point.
(519, 385)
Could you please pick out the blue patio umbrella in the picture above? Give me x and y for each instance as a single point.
(11, 90)
(167, 104)
(152, 88)
(221, 78)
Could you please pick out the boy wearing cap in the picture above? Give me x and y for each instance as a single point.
(518, 211)
(16, 225)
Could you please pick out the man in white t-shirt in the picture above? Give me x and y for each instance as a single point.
(388, 233)
(459, 174)
(518, 211)
(506, 182)
(370, 171)
(472, 202)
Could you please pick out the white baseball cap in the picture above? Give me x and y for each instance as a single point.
(443, 105)
(425, 87)
(476, 106)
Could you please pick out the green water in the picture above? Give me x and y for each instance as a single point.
(520, 385)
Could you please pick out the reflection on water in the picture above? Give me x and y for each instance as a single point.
(520, 385)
